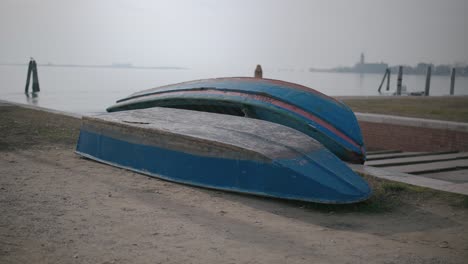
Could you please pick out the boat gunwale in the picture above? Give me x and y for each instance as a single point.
(282, 84)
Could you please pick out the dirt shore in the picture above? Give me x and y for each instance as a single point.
(56, 207)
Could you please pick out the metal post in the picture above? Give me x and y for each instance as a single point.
(428, 80)
(452, 82)
(399, 80)
(258, 72)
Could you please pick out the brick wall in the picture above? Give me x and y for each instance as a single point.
(379, 135)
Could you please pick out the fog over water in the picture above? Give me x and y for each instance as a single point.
(274, 33)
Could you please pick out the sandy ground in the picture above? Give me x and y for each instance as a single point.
(56, 207)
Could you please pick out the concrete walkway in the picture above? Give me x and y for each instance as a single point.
(417, 159)
(436, 184)
(440, 171)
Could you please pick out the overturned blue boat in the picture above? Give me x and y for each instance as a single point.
(321, 117)
(222, 152)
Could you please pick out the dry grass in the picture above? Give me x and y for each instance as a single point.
(388, 196)
(24, 128)
(440, 108)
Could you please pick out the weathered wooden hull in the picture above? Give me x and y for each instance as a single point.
(221, 152)
(321, 117)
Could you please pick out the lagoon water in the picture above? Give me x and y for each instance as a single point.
(91, 90)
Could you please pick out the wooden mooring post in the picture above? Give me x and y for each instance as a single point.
(452, 82)
(386, 75)
(32, 70)
(388, 79)
(428, 80)
(399, 80)
(258, 72)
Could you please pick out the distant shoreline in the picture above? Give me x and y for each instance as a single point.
(112, 66)
(379, 73)
(380, 68)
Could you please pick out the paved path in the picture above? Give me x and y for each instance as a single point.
(436, 184)
(440, 171)
(417, 159)
(458, 176)
(430, 167)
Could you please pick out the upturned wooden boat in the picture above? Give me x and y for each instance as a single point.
(221, 152)
(321, 117)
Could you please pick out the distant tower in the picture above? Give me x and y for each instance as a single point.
(363, 60)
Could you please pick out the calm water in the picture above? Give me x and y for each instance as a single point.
(90, 90)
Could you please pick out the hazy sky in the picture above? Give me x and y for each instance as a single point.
(275, 33)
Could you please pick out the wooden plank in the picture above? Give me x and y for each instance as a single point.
(417, 159)
(430, 167)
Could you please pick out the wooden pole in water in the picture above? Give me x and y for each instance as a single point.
(35, 84)
(452, 82)
(383, 80)
(399, 80)
(28, 76)
(428, 80)
(32, 70)
(258, 72)
(388, 79)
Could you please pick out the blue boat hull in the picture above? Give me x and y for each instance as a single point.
(309, 174)
(321, 117)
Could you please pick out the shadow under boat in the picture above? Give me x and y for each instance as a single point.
(221, 152)
(321, 117)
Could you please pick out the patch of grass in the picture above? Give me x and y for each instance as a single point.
(461, 202)
(388, 196)
(464, 202)
(394, 187)
(385, 198)
(24, 128)
(64, 135)
(441, 108)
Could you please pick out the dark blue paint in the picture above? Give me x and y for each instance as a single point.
(318, 176)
